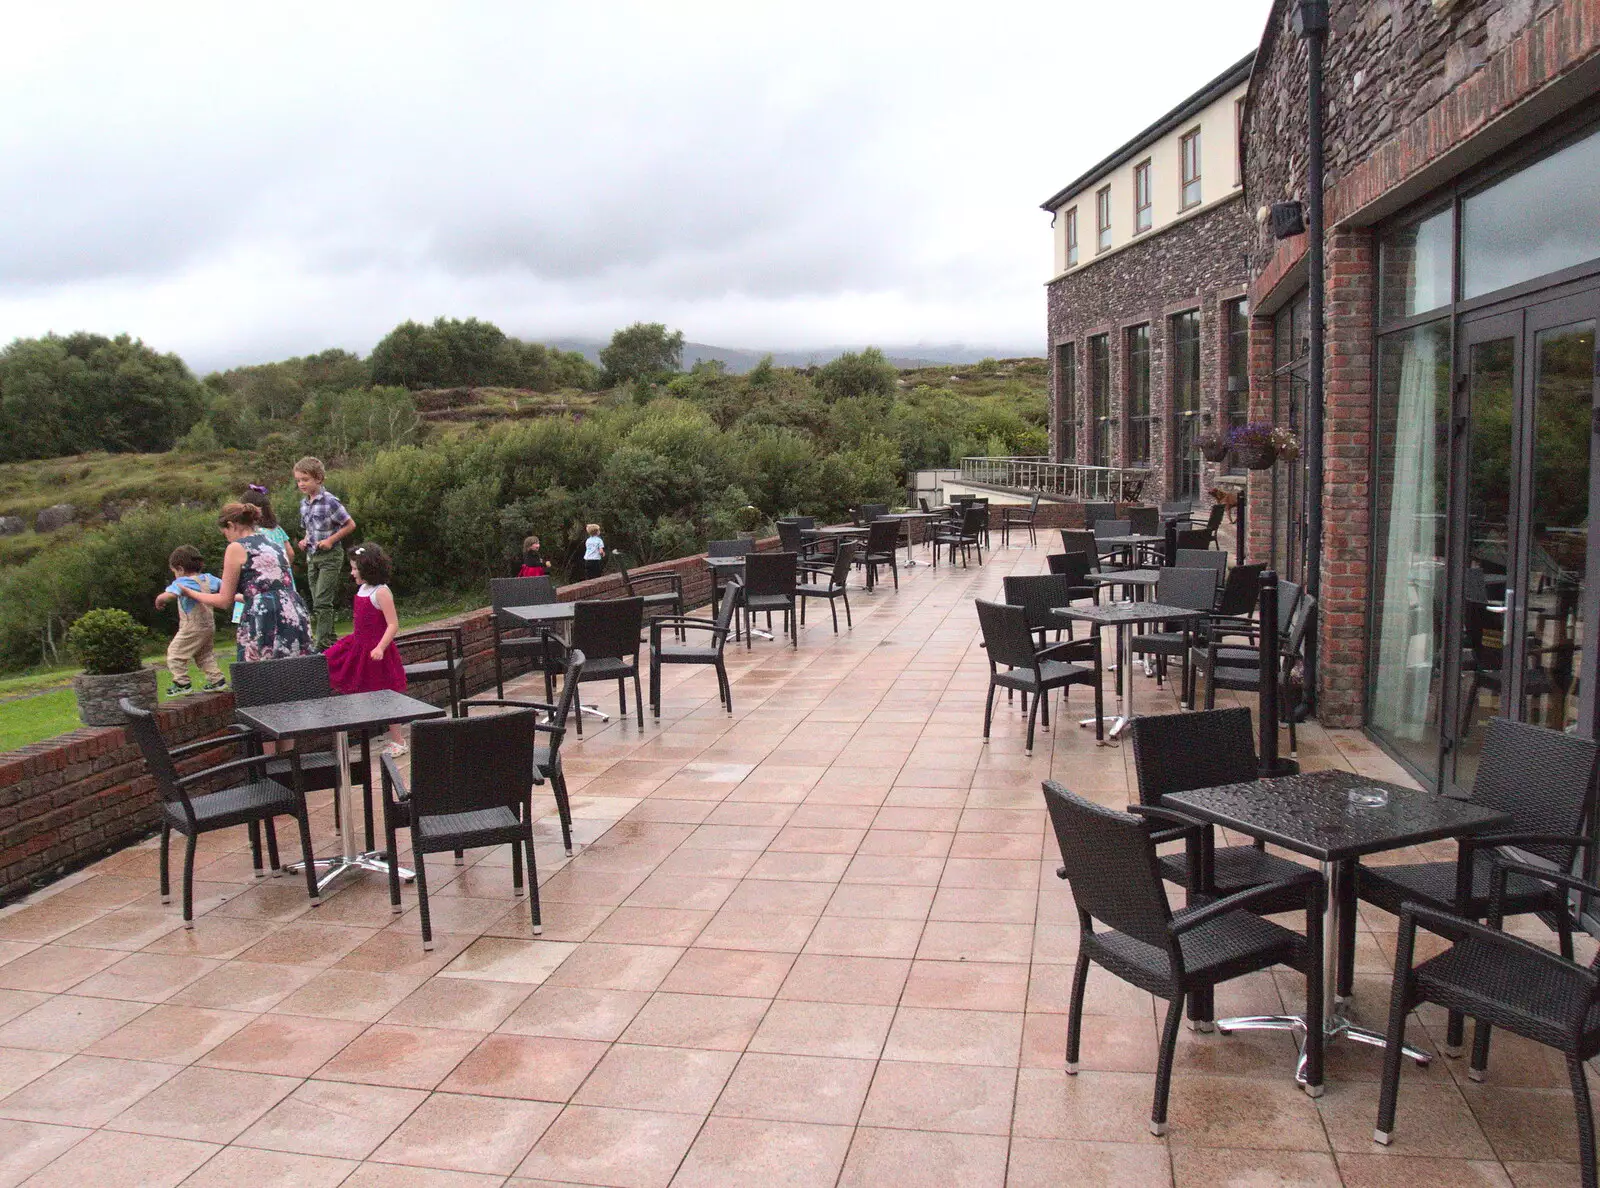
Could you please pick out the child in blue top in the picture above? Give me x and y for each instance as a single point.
(196, 637)
(594, 552)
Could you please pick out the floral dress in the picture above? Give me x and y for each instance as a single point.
(275, 622)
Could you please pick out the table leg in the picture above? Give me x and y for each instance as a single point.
(1335, 1022)
(349, 859)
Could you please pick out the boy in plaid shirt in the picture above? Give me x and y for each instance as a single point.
(326, 523)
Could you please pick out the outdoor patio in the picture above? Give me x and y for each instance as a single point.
(817, 942)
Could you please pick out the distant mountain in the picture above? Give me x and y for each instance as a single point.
(739, 360)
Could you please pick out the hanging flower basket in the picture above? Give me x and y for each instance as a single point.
(1287, 444)
(1213, 448)
(1253, 446)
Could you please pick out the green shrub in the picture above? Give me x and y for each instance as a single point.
(106, 642)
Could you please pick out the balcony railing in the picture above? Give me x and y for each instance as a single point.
(1068, 479)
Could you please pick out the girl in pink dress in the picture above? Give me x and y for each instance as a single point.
(366, 660)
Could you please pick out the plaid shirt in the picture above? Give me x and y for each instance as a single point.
(322, 515)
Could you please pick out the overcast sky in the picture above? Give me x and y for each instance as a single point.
(244, 183)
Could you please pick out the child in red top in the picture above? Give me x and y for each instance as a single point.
(533, 563)
(366, 660)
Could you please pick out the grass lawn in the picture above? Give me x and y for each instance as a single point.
(42, 704)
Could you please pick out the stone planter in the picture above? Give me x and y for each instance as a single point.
(98, 695)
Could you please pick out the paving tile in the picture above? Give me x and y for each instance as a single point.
(269, 1169)
(823, 1029)
(20, 1066)
(573, 1012)
(918, 1159)
(286, 1045)
(332, 1119)
(696, 1021)
(955, 1037)
(618, 1148)
(1048, 1163)
(525, 1066)
(67, 1023)
(967, 985)
(244, 986)
(789, 1088)
(1195, 1166)
(466, 1004)
(504, 959)
(851, 937)
(53, 968)
(206, 1104)
(729, 971)
(84, 1091)
(943, 1097)
(402, 1057)
(174, 1034)
(350, 994)
(107, 1159)
(146, 977)
(640, 1077)
(25, 1147)
(489, 1135)
(616, 967)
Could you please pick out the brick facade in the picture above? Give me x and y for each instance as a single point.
(1196, 264)
(1408, 85)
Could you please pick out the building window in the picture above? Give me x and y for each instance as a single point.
(1291, 349)
(1067, 402)
(1238, 139)
(1191, 169)
(1136, 351)
(1186, 405)
(1102, 219)
(1072, 237)
(1237, 401)
(1141, 197)
(1104, 426)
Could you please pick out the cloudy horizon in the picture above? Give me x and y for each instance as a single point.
(243, 185)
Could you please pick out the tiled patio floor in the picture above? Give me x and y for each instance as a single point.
(817, 942)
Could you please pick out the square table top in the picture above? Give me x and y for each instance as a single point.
(1120, 542)
(1113, 614)
(1126, 577)
(542, 612)
(833, 530)
(1311, 814)
(346, 711)
(725, 562)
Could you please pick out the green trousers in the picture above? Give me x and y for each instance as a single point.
(323, 573)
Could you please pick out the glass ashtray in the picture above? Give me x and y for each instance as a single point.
(1368, 796)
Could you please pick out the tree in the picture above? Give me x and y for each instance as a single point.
(853, 376)
(67, 395)
(644, 351)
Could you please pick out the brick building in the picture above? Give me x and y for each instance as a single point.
(1147, 323)
(1462, 294)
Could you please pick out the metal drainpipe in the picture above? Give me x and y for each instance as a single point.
(1311, 24)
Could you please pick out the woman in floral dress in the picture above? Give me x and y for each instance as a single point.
(275, 623)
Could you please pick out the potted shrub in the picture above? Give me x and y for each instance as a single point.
(107, 643)
(1213, 447)
(1252, 445)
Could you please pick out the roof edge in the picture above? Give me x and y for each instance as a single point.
(1237, 73)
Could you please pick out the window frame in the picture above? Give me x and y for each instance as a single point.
(1139, 441)
(1072, 237)
(1102, 219)
(1186, 421)
(1236, 365)
(1102, 419)
(1185, 179)
(1143, 206)
(1067, 400)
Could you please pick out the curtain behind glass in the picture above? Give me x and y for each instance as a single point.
(1413, 421)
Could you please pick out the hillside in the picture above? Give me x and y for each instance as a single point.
(739, 360)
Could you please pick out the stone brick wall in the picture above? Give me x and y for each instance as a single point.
(65, 801)
(1197, 264)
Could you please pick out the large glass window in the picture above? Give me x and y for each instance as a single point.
(1136, 350)
(1410, 473)
(1141, 197)
(1291, 348)
(1067, 401)
(1237, 407)
(1104, 426)
(1540, 219)
(1102, 219)
(1072, 237)
(1414, 267)
(1191, 169)
(1186, 405)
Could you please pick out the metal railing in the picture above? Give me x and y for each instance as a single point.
(1068, 479)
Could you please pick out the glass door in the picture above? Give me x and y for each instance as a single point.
(1523, 430)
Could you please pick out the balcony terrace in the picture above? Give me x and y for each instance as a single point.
(819, 941)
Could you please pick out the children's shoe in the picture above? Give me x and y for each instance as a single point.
(214, 686)
(179, 688)
(398, 749)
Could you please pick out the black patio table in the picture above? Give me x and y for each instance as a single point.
(910, 519)
(339, 716)
(1129, 543)
(1123, 615)
(1134, 580)
(1312, 814)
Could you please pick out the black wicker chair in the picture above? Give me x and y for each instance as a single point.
(1040, 595)
(1206, 749)
(1212, 559)
(1012, 516)
(769, 585)
(435, 654)
(1212, 525)
(1075, 567)
(302, 678)
(1145, 521)
(252, 801)
(830, 583)
(1110, 860)
(1114, 554)
(883, 538)
(791, 539)
(699, 651)
(661, 591)
(1093, 513)
(1240, 668)
(607, 632)
(1081, 540)
(964, 536)
(546, 756)
(513, 637)
(1501, 981)
(471, 785)
(1544, 779)
(1015, 664)
(1179, 511)
(1190, 589)
(719, 577)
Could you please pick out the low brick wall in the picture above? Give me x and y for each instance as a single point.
(70, 799)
